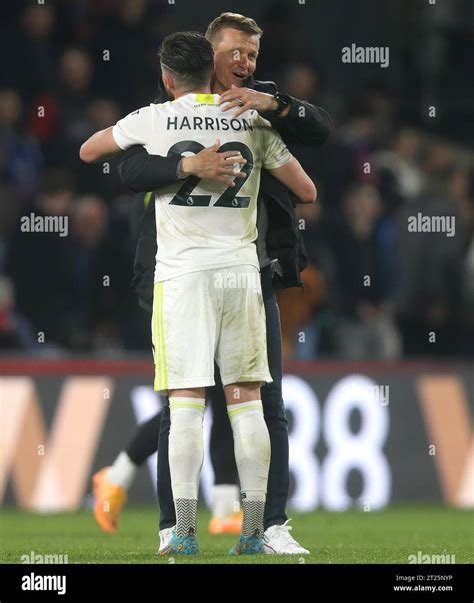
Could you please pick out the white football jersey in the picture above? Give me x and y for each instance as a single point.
(201, 224)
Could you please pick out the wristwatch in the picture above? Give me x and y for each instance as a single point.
(283, 101)
(178, 170)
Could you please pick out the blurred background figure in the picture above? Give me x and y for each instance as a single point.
(399, 175)
(366, 277)
(21, 158)
(39, 263)
(33, 47)
(73, 93)
(102, 178)
(15, 332)
(429, 292)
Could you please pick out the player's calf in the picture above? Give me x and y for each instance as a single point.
(252, 455)
(186, 453)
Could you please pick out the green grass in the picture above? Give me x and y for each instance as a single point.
(388, 536)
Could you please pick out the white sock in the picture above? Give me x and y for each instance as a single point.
(225, 500)
(122, 472)
(252, 455)
(186, 454)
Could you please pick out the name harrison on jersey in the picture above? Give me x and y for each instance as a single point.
(208, 123)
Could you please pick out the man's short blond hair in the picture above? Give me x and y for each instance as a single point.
(235, 21)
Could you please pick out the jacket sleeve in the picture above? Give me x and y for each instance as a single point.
(305, 123)
(142, 172)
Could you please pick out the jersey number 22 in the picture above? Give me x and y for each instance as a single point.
(229, 197)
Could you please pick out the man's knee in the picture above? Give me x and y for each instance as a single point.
(237, 393)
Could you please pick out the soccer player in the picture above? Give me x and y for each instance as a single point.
(207, 299)
(236, 41)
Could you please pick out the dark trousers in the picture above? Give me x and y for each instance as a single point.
(275, 417)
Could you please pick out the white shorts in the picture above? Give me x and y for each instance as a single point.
(205, 316)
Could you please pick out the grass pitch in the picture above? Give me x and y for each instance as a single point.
(388, 536)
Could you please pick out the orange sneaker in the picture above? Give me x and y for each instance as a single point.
(230, 524)
(108, 503)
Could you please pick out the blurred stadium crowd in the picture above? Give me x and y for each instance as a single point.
(375, 171)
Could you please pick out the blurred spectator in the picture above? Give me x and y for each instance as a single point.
(400, 178)
(89, 223)
(15, 333)
(439, 158)
(101, 280)
(88, 226)
(302, 79)
(21, 159)
(39, 264)
(62, 110)
(8, 218)
(366, 279)
(298, 307)
(381, 103)
(460, 187)
(310, 222)
(281, 40)
(75, 75)
(31, 70)
(101, 178)
(358, 135)
(122, 46)
(431, 265)
(306, 328)
(102, 113)
(466, 326)
(345, 159)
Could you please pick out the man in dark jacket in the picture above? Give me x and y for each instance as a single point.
(236, 41)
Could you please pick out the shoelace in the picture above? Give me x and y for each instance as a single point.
(284, 533)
